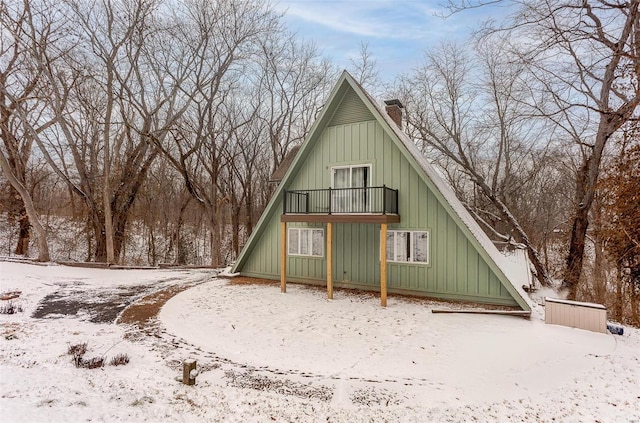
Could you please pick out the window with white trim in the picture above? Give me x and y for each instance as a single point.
(306, 242)
(346, 180)
(408, 246)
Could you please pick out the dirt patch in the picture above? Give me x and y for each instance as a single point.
(104, 304)
(367, 295)
(244, 280)
(6, 296)
(143, 313)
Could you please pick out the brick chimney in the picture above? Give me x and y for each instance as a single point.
(394, 110)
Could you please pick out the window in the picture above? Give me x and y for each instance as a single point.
(306, 242)
(351, 182)
(408, 246)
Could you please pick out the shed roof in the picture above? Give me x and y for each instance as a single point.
(281, 170)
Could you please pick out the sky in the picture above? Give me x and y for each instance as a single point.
(397, 31)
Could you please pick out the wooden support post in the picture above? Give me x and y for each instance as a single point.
(283, 257)
(329, 260)
(383, 264)
(187, 367)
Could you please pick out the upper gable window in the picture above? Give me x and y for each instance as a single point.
(350, 183)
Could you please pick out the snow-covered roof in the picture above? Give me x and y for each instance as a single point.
(575, 303)
(450, 197)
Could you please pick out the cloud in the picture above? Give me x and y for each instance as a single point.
(397, 31)
(372, 18)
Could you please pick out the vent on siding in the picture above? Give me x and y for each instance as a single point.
(351, 110)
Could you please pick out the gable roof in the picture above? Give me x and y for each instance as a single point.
(435, 183)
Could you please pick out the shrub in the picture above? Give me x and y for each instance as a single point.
(119, 359)
(10, 308)
(77, 349)
(92, 363)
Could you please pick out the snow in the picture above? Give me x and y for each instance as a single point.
(267, 356)
(518, 265)
(575, 303)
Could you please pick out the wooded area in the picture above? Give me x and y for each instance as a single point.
(145, 131)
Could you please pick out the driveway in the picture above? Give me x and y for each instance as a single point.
(103, 304)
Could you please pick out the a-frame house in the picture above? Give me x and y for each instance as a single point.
(356, 180)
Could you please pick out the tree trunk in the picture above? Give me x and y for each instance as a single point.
(100, 254)
(216, 248)
(236, 208)
(151, 251)
(585, 188)
(180, 248)
(249, 210)
(576, 254)
(110, 254)
(118, 224)
(120, 218)
(24, 233)
(618, 306)
(599, 279)
(43, 247)
(88, 230)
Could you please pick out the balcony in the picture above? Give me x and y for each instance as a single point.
(364, 205)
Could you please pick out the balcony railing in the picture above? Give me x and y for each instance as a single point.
(367, 200)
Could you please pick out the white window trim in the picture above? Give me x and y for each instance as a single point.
(350, 167)
(411, 245)
(310, 238)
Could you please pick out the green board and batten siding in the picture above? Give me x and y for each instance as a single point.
(455, 271)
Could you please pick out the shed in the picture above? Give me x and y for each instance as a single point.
(576, 314)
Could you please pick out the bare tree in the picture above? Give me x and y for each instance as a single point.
(112, 96)
(364, 68)
(43, 248)
(222, 39)
(218, 90)
(585, 58)
(619, 229)
(87, 103)
(243, 154)
(293, 82)
(478, 131)
(20, 89)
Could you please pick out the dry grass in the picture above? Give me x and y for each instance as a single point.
(244, 280)
(91, 363)
(119, 360)
(366, 295)
(77, 349)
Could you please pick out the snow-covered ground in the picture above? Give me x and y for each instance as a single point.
(267, 356)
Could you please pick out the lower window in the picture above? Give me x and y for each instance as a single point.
(306, 242)
(408, 246)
